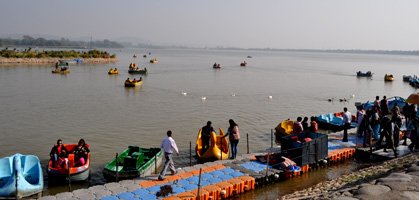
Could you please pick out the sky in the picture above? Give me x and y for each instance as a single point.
(280, 24)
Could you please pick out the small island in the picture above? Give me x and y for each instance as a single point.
(53, 56)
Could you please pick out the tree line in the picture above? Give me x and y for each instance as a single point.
(29, 41)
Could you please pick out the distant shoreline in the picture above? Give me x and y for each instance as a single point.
(4, 60)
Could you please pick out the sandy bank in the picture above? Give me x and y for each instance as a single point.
(4, 60)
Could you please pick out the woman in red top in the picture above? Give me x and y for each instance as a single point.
(58, 153)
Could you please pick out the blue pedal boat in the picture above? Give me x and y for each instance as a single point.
(20, 176)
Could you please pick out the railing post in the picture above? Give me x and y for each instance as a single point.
(190, 153)
(155, 163)
(247, 139)
(272, 138)
(116, 167)
(199, 184)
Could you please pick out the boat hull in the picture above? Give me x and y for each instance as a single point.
(132, 84)
(75, 173)
(21, 176)
(134, 162)
(218, 150)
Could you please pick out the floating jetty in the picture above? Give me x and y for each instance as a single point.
(212, 180)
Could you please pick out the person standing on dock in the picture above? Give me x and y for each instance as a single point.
(234, 137)
(168, 144)
(347, 118)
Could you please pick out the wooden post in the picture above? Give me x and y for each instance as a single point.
(190, 153)
(272, 138)
(69, 178)
(247, 139)
(199, 184)
(155, 163)
(116, 167)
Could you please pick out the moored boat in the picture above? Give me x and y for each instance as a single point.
(392, 101)
(283, 129)
(388, 77)
(362, 74)
(218, 149)
(20, 176)
(133, 83)
(333, 121)
(133, 162)
(70, 169)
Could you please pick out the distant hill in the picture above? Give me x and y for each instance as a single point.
(29, 41)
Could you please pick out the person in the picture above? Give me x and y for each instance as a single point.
(396, 119)
(359, 117)
(347, 118)
(384, 106)
(375, 122)
(127, 80)
(234, 137)
(80, 153)
(366, 127)
(412, 127)
(141, 78)
(58, 154)
(215, 64)
(168, 144)
(386, 131)
(377, 102)
(305, 124)
(206, 135)
(56, 66)
(313, 125)
(297, 127)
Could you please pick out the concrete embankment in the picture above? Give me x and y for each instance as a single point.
(394, 179)
(4, 60)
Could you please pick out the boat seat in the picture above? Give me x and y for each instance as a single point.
(136, 154)
(133, 149)
(71, 159)
(130, 163)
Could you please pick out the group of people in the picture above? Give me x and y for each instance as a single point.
(302, 125)
(59, 154)
(379, 123)
(134, 80)
(62, 68)
(169, 145)
(233, 134)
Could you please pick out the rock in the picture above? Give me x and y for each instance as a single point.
(348, 194)
(409, 195)
(345, 198)
(373, 190)
(396, 177)
(48, 198)
(413, 168)
(64, 195)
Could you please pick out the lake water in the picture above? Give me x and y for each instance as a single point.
(38, 107)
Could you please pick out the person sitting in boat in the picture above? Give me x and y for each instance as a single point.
(56, 66)
(141, 78)
(58, 153)
(134, 81)
(286, 163)
(298, 127)
(128, 80)
(206, 135)
(215, 64)
(80, 153)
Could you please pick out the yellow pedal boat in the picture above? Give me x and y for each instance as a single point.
(132, 83)
(218, 149)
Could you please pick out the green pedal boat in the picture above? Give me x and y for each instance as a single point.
(133, 162)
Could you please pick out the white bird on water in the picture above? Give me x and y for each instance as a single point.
(233, 95)
(270, 97)
(184, 93)
(204, 98)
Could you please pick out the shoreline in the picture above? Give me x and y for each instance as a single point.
(348, 186)
(4, 60)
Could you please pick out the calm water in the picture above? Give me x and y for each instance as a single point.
(39, 107)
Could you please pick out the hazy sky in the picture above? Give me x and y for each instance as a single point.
(313, 24)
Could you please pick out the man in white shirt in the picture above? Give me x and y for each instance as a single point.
(168, 144)
(347, 118)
